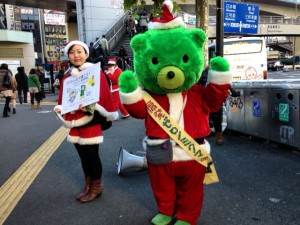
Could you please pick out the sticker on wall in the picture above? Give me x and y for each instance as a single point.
(287, 134)
(236, 104)
(256, 108)
(284, 112)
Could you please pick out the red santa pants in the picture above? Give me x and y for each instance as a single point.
(118, 104)
(178, 189)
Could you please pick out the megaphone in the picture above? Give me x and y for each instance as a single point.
(127, 161)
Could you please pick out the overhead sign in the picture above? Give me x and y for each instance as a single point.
(240, 18)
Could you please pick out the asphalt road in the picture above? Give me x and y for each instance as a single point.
(259, 180)
(287, 75)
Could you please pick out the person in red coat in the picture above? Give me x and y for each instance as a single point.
(113, 74)
(85, 134)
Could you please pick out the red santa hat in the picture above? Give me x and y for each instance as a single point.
(167, 20)
(112, 61)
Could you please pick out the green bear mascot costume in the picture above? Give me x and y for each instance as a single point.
(168, 62)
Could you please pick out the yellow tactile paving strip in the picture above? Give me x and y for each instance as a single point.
(16, 186)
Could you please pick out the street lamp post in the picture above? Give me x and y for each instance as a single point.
(219, 28)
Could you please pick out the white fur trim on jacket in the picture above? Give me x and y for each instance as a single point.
(110, 116)
(85, 141)
(74, 123)
(133, 97)
(218, 77)
(75, 71)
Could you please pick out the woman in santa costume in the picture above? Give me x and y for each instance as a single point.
(85, 133)
(113, 73)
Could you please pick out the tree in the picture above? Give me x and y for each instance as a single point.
(201, 14)
(202, 22)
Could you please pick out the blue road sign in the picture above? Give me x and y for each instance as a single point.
(240, 18)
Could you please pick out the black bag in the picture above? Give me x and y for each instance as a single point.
(38, 96)
(105, 125)
(99, 119)
(6, 80)
(160, 154)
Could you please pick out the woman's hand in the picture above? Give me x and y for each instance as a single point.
(82, 108)
(57, 109)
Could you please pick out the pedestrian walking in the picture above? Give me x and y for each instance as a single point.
(104, 43)
(216, 118)
(34, 87)
(22, 81)
(143, 21)
(92, 54)
(123, 60)
(131, 26)
(85, 129)
(6, 87)
(14, 96)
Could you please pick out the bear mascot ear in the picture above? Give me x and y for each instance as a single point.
(198, 36)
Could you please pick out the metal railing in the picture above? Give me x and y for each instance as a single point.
(279, 20)
(115, 33)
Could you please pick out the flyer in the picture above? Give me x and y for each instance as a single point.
(83, 89)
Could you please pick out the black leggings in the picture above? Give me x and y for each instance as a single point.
(32, 96)
(90, 160)
(7, 101)
(216, 118)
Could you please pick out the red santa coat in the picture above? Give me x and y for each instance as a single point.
(114, 77)
(76, 119)
(195, 106)
(191, 110)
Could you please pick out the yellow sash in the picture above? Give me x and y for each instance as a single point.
(184, 140)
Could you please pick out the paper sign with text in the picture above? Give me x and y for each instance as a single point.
(83, 89)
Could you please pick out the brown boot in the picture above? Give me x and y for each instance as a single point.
(85, 189)
(32, 107)
(95, 191)
(38, 106)
(219, 138)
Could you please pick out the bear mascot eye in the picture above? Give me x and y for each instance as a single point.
(185, 58)
(155, 60)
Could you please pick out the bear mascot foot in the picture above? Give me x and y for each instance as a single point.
(181, 222)
(161, 219)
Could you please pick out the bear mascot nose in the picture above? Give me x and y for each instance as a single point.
(170, 74)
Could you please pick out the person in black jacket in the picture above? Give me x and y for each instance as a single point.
(216, 118)
(22, 81)
(60, 76)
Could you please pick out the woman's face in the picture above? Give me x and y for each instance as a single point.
(77, 55)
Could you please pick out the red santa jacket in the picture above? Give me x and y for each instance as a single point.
(200, 101)
(78, 118)
(114, 77)
(190, 109)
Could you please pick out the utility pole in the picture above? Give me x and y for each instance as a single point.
(220, 28)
